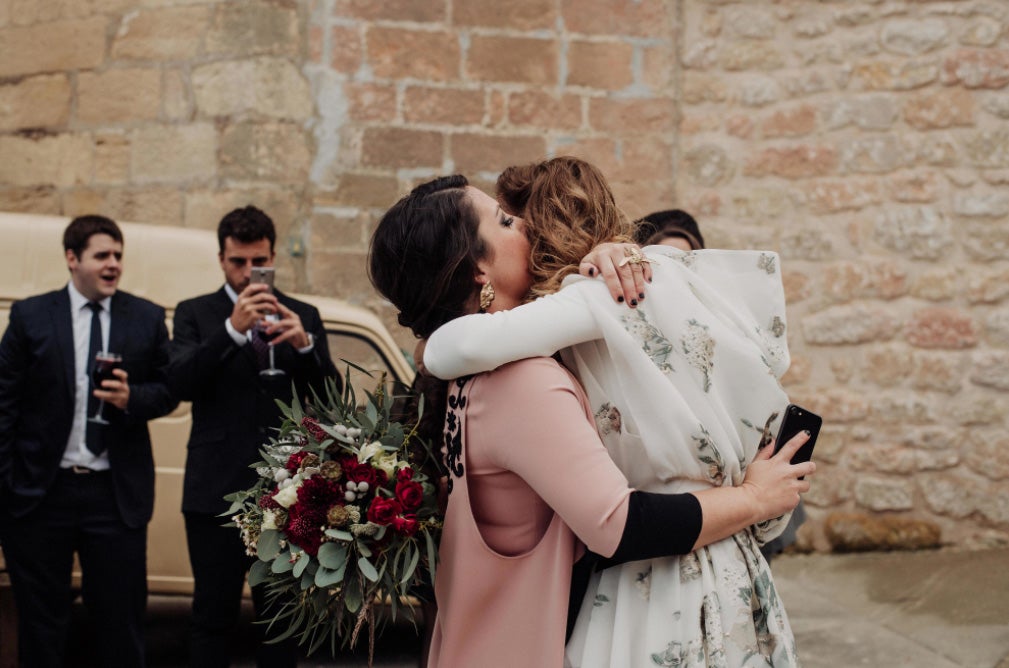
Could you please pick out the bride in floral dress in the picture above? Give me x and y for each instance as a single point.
(685, 389)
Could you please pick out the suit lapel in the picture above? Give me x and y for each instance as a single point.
(119, 322)
(63, 325)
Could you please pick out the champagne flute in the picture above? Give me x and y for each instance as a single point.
(262, 334)
(105, 364)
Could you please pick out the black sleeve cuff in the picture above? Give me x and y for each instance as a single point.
(658, 525)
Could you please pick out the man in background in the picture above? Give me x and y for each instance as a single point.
(68, 483)
(222, 363)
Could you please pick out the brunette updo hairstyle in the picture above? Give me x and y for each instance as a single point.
(423, 259)
(568, 208)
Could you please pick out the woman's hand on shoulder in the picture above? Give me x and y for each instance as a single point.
(773, 481)
(623, 268)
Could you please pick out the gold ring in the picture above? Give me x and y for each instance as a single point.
(634, 256)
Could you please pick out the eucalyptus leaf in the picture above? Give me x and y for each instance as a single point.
(432, 554)
(340, 535)
(367, 569)
(301, 564)
(269, 545)
(282, 563)
(327, 577)
(363, 548)
(332, 555)
(411, 567)
(259, 573)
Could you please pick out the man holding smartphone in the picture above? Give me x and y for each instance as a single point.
(218, 363)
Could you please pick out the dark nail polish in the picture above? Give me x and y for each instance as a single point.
(807, 432)
(634, 302)
(620, 299)
(641, 295)
(592, 272)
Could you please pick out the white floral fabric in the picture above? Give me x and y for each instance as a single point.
(684, 389)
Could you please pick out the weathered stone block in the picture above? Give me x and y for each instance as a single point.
(177, 103)
(997, 327)
(986, 451)
(751, 55)
(272, 87)
(797, 286)
(361, 190)
(919, 232)
(118, 96)
(988, 286)
(887, 365)
(36, 102)
(346, 48)
(492, 153)
(795, 162)
(981, 205)
(513, 15)
(940, 109)
(987, 68)
(632, 116)
(399, 147)
(836, 196)
(56, 160)
(708, 165)
(834, 404)
(987, 148)
(173, 153)
(884, 493)
(370, 102)
(759, 90)
(793, 122)
(545, 110)
(52, 47)
(750, 22)
(829, 488)
(857, 532)
(422, 54)
(392, 10)
(699, 88)
(657, 67)
(913, 187)
(806, 243)
(606, 65)
(252, 27)
(937, 284)
(903, 75)
(908, 37)
(30, 200)
(332, 232)
(982, 31)
(444, 106)
(277, 152)
(112, 158)
(941, 372)
(169, 33)
(986, 241)
(937, 327)
(639, 18)
(991, 369)
(512, 59)
(204, 208)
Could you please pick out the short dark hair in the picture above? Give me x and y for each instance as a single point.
(82, 228)
(660, 225)
(247, 225)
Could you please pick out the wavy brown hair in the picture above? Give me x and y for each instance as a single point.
(569, 209)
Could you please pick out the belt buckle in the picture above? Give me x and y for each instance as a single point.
(81, 470)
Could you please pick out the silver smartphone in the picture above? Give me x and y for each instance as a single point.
(262, 275)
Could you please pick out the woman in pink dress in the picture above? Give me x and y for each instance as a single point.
(531, 485)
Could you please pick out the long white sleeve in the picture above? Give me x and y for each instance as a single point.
(485, 341)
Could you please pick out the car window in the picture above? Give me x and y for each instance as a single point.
(348, 347)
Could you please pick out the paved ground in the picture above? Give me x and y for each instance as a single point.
(942, 609)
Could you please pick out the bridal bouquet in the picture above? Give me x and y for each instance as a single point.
(340, 519)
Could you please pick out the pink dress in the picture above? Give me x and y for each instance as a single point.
(530, 482)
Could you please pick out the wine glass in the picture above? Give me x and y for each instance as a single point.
(105, 364)
(262, 334)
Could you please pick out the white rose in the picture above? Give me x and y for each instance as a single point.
(269, 520)
(288, 496)
(387, 463)
(369, 451)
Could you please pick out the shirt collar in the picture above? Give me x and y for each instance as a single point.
(232, 295)
(79, 301)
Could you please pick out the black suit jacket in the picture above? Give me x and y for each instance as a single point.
(234, 408)
(37, 400)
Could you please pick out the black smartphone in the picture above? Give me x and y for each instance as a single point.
(262, 275)
(799, 419)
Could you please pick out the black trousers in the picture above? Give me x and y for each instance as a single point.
(220, 564)
(78, 514)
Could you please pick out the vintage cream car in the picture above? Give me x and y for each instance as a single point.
(167, 265)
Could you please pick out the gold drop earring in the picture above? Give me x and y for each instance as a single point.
(486, 296)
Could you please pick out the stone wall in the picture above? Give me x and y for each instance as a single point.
(865, 141)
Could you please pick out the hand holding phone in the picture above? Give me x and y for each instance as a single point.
(799, 419)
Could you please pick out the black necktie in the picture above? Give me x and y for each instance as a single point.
(93, 432)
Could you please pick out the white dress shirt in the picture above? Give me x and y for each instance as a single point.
(77, 453)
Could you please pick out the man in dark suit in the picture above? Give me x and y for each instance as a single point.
(68, 484)
(217, 363)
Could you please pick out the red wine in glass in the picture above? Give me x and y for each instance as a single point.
(105, 364)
